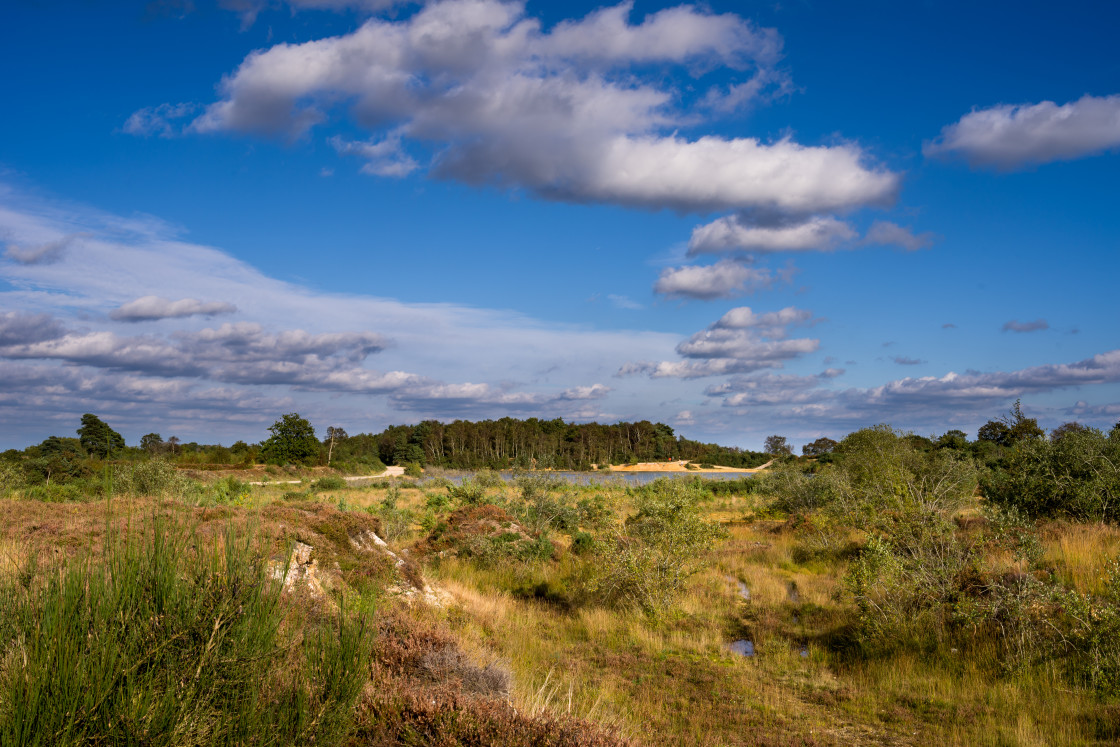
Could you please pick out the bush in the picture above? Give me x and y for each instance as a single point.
(330, 482)
(1076, 476)
(156, 477)
(228, 490)
(413, 469)
(582, 543)
(664, 544)
(468, 492)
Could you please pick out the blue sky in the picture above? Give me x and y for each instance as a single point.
(737, 218)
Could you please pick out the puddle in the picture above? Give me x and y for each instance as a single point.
(793, 593)
(796, 619)
(804, 652)
(743, 647)
(744, 592)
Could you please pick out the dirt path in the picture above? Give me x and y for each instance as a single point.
(389, 472)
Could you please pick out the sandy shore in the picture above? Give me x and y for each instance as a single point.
(680, 467)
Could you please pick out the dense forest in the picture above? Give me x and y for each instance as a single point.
(495, 444)
(535, 443)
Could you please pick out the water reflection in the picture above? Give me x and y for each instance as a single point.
(743, 647)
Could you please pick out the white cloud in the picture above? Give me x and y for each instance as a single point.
(743, 345)
(771, 324)
(725, 279)
(1013, 136)
(563, 113)
(963, 398)
(150, 308)
(595, 391)
(361, 361)
(748, 234)
(735, 344)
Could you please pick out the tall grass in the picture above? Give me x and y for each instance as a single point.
(162, 638)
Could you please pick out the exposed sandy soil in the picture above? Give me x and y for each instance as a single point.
(680, 467)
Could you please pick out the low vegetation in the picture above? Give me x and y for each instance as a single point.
(886, 588)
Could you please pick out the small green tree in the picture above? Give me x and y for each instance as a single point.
(151, 443)
(292, 441)
(778, 446)
(97, 438)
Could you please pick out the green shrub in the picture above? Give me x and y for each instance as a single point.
(227, 490)
(155, 477)
(468, 492)
(171, 641)
(413, 469)
(664, 544)
(582, 543)
(1076, 476)
(330, 482)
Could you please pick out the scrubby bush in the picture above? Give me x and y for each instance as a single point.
(468, 493)
(227, 490)
(156, 477)
(663, 544)
(413, 469)
(330, 482)
(1075, 476)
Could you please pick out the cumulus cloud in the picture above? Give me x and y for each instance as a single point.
(739, 342)
(1038, 325)
(885, 233)
(149, 308)
(725, 279)
(164, 120)
(1012, 136)
(769, 324)
(564, 113)
(761, 234)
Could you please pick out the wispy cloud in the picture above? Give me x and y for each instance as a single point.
(321, 352)
(1038, 325)
(150, 308)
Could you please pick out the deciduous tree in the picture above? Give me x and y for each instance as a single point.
(292, 441)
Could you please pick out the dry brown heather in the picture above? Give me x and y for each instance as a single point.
(518, 657)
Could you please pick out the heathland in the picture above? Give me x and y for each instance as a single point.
(885, 588)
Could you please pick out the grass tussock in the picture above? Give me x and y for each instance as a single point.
(166, 640)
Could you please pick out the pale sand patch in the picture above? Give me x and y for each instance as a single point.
(679, 466)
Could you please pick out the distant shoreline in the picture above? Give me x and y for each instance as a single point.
(679, 466)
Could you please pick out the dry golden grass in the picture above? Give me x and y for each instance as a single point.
(1076, 551)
